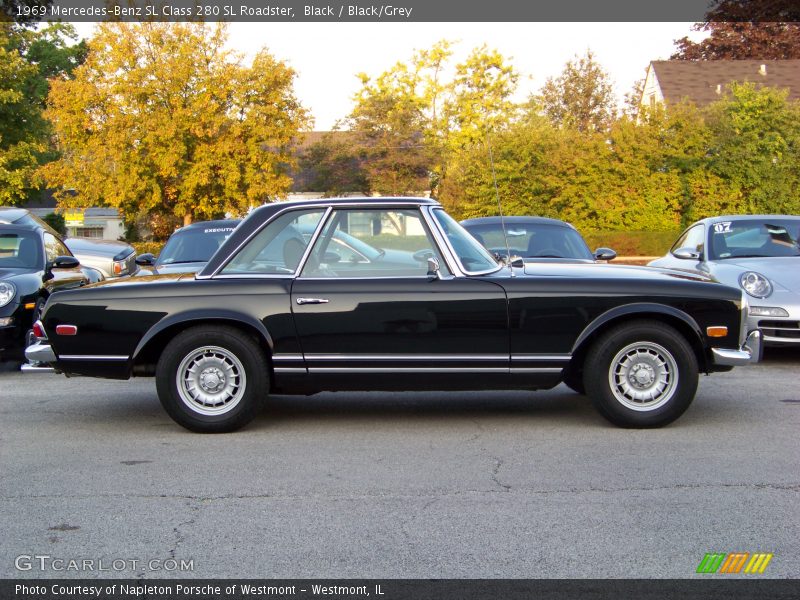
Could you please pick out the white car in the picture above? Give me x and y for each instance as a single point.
(758, 253)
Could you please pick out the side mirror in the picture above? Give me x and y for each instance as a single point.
(433, 268)
(331, 257)
(146, 260)
(687, 254)
(605, 254)
(66, 262)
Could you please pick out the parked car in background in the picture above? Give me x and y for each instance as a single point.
(757, 253)
(34, 263)
(188, 249)
(111, 258)
(534, 238)
(441, 314)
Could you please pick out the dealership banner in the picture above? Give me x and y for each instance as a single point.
(398, 589)
(394, 11)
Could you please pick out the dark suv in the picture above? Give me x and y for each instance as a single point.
(34, 262)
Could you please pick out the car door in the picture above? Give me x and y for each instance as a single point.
(381, 315)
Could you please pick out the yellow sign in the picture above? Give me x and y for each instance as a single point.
(73, 217)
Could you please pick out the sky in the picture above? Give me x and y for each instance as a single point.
(327, 56)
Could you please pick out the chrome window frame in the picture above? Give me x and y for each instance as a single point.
(217, 274)
(425, 210)
(445, 243)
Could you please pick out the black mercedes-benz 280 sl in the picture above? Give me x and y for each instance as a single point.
(392, 293)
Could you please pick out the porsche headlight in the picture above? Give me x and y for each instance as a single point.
(755, 284)
(7, 292)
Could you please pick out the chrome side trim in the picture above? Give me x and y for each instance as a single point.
(290, 370)
(536, 370)
(407, 357)
(564, 357)
(280, 357)
(408, 370)
(110, 357)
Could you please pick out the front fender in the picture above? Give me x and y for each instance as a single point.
(643, 308)
(203, 316)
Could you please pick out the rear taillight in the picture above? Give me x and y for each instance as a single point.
(38, 331)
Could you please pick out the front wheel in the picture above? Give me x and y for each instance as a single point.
(210, 379)
(641, 374)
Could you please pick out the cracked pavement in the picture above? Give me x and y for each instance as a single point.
(390, 485)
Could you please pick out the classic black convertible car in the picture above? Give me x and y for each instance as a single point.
(430, 309)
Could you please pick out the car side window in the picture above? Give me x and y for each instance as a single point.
(373, 243)
(693, 238)
(53, 248)
(279, 247)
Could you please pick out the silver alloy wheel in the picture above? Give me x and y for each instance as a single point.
(211, 380)
(643, 376)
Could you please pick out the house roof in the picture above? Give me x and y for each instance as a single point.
(704, 81)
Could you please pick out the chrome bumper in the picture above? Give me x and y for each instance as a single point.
(40, 353)
(749, 353)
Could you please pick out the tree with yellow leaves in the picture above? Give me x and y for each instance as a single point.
(162, 119)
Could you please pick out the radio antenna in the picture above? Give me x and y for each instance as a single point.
(499, 204)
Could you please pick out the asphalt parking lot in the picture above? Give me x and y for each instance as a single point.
(478, 485)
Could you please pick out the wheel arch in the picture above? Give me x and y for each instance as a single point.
(149, 349)
(668, 315)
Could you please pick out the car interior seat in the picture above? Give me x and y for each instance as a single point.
(27, 253)
(293, 250)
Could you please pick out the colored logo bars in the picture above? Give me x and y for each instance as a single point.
(732, 563)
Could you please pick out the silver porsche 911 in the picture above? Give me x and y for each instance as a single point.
(758, 253)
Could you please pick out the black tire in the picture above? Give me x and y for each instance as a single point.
(211, 379)
(654, 373)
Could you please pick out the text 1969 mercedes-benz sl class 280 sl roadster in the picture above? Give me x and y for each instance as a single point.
(392, 293)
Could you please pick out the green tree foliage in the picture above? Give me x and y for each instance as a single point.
(412, 124)
(57, 222)
(756, 147)
(333, 165)
(28, 59)
(162, 119)
(581, 97)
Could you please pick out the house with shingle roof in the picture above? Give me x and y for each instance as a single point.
(705, 81)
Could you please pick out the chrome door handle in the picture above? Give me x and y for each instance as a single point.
(312, 300)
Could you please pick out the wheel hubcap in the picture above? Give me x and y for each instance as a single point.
(643, 376)
(211, 380)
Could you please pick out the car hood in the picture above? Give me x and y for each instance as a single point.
(606, 271)
(9, 274)
(781, 270)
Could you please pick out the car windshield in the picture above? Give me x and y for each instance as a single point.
(754, 238)
(473, 257)
(532, 240)
(20, 250)
(197, 244)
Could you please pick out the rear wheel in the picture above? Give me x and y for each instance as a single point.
(210, 379)
(641, 374)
